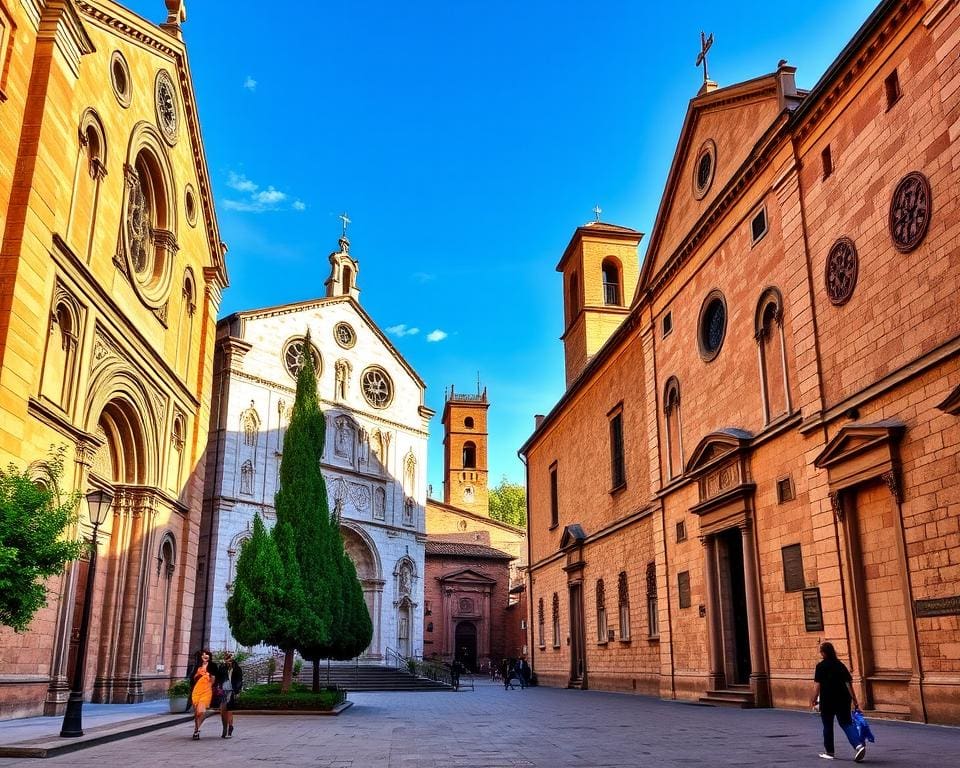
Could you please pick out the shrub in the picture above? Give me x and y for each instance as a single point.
(299, 696)
(179, 689)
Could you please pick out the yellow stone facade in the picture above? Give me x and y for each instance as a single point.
(111, 273)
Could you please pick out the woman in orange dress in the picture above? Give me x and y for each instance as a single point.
(203, 677)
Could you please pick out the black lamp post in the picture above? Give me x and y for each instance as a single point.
(99, 502)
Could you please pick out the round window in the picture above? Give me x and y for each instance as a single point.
(344, 335)
(190, 204)
(293, 356)
(120, 78)
(712, 326)
(377, 387)
(704, 168)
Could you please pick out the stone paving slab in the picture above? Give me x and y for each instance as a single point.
(533, 728)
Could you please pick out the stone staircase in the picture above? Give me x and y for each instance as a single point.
(369, 677)
(739, 696)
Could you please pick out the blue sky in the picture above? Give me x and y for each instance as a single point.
(466, 141)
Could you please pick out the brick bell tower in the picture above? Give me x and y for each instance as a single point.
(465, 480)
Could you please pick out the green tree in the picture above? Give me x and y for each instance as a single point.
(301, 503)
(256, 586)
(508, 503)
(355, 629)
(33, 521)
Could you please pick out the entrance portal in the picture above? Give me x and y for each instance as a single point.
(577, 636)
(733, 608)
(465, 641)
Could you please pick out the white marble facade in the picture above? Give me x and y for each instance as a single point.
(374, 459)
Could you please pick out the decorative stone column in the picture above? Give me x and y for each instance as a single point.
(715, 658)
(759, 679)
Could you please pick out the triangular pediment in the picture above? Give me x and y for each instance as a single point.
(466, 576)
(855, 439)
(572, 535)
(732, 124)
(716, 447)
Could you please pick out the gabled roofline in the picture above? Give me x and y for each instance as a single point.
(251, 314)
(476, 516)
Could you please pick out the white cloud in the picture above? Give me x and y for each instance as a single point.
(436, 335)
(299, 205)
(402, 330)
(242, 205)
(424, 277)
(250, 84)
(240, 183)
(270, 196)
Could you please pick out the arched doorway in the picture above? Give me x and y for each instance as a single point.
(365, 560)
(465, 642)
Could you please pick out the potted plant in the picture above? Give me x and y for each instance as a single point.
(179, 695)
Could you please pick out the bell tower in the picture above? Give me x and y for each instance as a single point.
(600, 273)
(343, 268)
(465, 474)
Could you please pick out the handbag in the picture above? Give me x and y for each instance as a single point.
(863, 727)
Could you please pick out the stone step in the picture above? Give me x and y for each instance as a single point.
(740, 697)
(370, 678)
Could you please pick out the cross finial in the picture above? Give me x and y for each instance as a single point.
(705, 43)
(346, 220)
(597, 210)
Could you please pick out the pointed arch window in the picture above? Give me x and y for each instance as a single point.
(674, 428)
(653, 611)
(61, 354)
(601, 612)
(612, 295)
(91, 168)
(469, 455)
(166, 567)
(623, 605)
(250, 422)
(177, 442)
(772, 355)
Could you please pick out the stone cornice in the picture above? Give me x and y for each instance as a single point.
(60, 22)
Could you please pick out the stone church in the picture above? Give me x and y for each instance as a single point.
(757, 448)
(111, 273)
(375, 453)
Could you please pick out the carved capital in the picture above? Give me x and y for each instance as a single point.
(836, 503)
(893, 484)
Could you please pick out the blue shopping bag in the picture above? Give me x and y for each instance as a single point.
(863, 727)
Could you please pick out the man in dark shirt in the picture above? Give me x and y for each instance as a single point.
(837, 699)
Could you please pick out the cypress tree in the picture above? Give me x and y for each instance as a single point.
(301, 503)
(255, 587)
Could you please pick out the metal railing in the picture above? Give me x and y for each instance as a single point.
(431, 670)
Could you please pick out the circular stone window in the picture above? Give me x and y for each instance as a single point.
(377, 387)
(704, 169)
(910, 212)
(843, 266)
(344, 335)
(168, 118)
(712, 327)
(190, 205)
(120, 78)
(293, 356)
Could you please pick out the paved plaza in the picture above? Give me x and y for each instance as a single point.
(533, 728)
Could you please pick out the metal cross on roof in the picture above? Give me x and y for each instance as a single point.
(343, 217)
(597, 210)
(705, 43)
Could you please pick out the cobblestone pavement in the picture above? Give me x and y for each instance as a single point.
(537, 727)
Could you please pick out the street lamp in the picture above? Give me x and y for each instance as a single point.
(99, 501)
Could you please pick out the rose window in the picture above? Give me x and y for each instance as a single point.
(377, 387)
(910, 212)
(293, 357)
(344, 335)
(843, 264)
(713, 325)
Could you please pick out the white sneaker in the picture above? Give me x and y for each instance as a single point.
(860, 754)
(827, 756)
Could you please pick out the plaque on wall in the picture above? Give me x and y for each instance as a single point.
(938, 606)
(812, 612)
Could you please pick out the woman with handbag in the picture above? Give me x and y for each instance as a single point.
(230, 683)
(835, 695)
(204, 677)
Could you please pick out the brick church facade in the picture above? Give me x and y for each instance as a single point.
(772, 403)
(111, 275)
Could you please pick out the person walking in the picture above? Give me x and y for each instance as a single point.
(507, 667)
(202, 694)
(834, 691)
(230, 681)
(518, 671)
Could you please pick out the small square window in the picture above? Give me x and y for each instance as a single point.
(683, 588)
(827, 161)
(681, 531)
(892, 87)
(667, 323)
(785, 491)
(758, 225)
